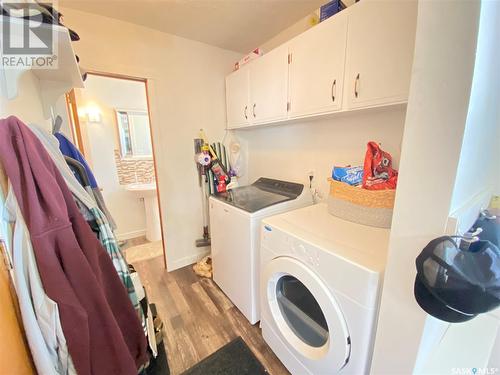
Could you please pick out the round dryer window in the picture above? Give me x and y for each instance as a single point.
(306, 314)
(301, 311)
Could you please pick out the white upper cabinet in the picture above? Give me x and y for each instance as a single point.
(380, 44)
(269, 86)
(237, 99)
(316, 69)
(359, 58)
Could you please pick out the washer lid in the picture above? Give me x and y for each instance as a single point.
(307, 314)
(262, 193)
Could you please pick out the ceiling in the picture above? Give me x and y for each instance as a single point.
(238, 25)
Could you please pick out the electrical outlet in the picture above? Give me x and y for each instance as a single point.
(310, 176)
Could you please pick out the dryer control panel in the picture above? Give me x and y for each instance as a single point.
(304, 252)
(281, 244)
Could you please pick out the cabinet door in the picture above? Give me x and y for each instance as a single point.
(380, 44)
(317, 59)
(237, 94)
(269, 86)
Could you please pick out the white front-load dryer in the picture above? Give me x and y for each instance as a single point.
(320, 286)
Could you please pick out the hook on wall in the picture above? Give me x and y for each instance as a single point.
(56, 121)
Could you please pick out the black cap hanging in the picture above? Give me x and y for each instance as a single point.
(456, 285)
(58, 19)
(44, 12)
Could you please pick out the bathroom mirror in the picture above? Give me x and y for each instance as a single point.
(134, 134)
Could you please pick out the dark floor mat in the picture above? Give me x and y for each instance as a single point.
(158, 365)
(233, 358)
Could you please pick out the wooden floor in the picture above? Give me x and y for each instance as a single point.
(198, 317)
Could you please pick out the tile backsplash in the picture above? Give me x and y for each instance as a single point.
(132, 171)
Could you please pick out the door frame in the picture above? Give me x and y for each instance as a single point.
(76, 128)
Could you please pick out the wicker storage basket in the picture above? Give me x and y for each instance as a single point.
(368, 207)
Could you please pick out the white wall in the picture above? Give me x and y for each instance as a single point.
(101, 140)
(290, 32)
(290, 151)
(437, 111)
(27, 106)
(115, 93)
(186, 89)
(478, 168)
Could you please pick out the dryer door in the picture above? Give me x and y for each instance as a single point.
(306, 313)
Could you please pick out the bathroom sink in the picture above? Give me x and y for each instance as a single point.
(142, 189)
(148, 193)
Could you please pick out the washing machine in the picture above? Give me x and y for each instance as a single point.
(321, 280)
(235, 218)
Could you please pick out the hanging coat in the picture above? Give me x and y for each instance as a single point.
(106, 235)
(102, 330)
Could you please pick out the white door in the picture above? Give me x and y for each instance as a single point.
(237, 96)
(317, 60)
(306, 315)
(269, 86)
(380, 44)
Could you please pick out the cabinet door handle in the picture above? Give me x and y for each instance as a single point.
(356, 93)
(253, 110)
(334, 89)
(246, 117)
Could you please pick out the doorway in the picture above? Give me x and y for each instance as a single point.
(110, 120)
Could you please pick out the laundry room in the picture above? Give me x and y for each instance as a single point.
(250, 187)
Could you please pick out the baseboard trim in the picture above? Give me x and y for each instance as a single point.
(128, 235)
(173, 265)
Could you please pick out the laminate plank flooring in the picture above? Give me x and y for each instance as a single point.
(198, 317)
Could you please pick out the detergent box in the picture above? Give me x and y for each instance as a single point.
(350, 175)
(257, 52)
(329, 9)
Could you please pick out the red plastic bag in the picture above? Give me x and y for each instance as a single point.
(378, 172)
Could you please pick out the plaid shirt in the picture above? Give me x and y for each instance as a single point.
(108, 240)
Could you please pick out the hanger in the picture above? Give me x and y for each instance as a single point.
(56, 122)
